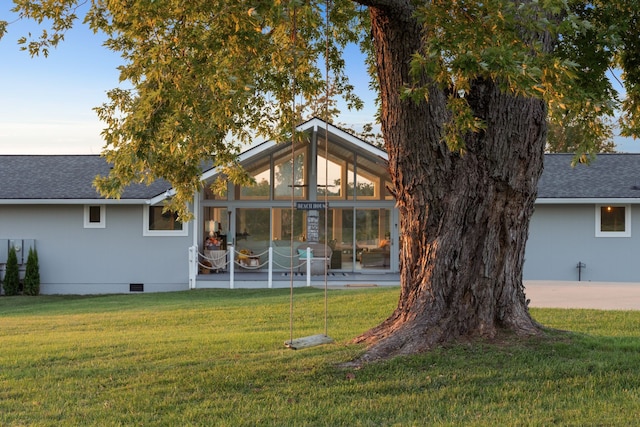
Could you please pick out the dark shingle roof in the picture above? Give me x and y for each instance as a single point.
(34, 177)
(70, 177)
(608, 176)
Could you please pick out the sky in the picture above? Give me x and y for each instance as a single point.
(46, 104)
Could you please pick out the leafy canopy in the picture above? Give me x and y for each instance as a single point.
(199, 78)
(202, 77)
(508, 42)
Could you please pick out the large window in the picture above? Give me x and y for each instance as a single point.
(613, 221)
(159, 223)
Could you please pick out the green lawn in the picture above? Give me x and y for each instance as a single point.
(216, 357)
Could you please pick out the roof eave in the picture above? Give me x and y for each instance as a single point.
(74, 201)
(586, 200)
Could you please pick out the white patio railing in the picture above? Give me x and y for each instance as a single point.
(231, 260)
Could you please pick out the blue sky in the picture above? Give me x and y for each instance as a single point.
(47, 103)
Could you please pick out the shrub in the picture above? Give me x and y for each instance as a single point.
(12, 274)
(32, 274)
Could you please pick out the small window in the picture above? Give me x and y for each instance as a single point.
(159, 223)
(613, 221)
(94, 216)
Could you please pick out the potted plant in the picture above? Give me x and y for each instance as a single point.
(243, 256)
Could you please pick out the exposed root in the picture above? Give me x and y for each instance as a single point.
(407, 340)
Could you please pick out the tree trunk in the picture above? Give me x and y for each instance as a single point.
(464, 216)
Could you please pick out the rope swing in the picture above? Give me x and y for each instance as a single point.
(319, 339)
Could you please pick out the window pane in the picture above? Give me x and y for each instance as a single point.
(365, 187)
(94, 214)
(261, 172)
(216, 226)
(282, 176)
(368, 178)
(210, 194)
(339, 237)
(282, 224)
(253, 224)
(329, 174)
(612, 218)
(372, 238)
(163, 221)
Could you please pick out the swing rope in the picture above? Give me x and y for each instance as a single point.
(326, 161)
(294, 32)
(321, 338)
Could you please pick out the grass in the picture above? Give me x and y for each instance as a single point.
(216, 357)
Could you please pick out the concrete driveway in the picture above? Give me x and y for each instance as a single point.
(598, 295)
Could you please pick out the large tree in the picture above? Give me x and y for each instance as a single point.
(466, 90)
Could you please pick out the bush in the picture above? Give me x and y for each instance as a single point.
(12, 274)
(32, 274)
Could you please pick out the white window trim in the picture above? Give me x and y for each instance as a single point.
(627, 222)
(160, 233)
(103, 217)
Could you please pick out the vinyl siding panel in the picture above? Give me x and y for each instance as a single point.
(560, 236)
(74, 259)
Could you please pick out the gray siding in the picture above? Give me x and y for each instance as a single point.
(560, 236)
(79, 260)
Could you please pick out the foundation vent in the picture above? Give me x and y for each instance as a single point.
(136, 287)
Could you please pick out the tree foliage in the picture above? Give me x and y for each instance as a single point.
(565, 139)
(32, 274)
(11, 282)
(200, 78)
(504, 42)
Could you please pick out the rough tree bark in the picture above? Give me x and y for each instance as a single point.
(464, 217)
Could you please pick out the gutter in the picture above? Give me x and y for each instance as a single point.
(74, 201)
(587, 200)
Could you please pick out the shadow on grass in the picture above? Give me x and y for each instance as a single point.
(558, 378)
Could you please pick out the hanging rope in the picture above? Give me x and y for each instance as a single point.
(294, 31)
(326, 163)
(321, 338)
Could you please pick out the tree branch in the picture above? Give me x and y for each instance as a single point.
(401, 8)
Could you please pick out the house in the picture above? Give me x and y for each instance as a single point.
(85, 243)
(321, 205)
(586, 224)
(334, 193)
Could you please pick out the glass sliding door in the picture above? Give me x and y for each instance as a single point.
(216, 226)
(339, 236)
(282, 224)
(252, 224)
(360, 238)
(373, 239)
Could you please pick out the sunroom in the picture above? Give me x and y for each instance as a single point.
(329, 191)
